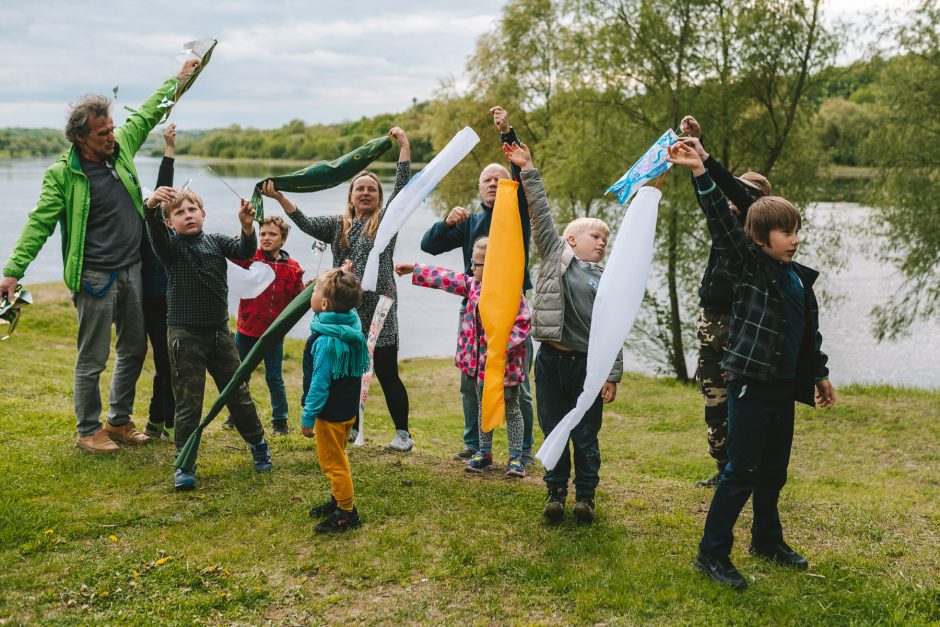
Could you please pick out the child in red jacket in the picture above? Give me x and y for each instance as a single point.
(255, 315)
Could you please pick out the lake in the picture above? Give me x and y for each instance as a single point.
(428, 318)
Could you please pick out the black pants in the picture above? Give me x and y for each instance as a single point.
(385, 366)
(559, 378)
(760, 435)
(162, 405)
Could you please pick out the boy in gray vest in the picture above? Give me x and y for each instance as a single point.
(561, 320)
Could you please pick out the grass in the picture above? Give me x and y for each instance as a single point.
(87, 539)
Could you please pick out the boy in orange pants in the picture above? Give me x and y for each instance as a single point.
(340, 356)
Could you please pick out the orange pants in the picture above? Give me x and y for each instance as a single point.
(331, 453)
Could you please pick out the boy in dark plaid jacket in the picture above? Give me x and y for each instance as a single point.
(773, 359)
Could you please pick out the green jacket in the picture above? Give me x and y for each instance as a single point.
(65, 196)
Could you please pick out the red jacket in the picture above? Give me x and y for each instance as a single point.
(255, 315)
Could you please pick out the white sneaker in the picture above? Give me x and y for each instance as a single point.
(401, 443)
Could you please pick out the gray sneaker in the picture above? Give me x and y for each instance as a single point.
(401, 443)
(353, 434)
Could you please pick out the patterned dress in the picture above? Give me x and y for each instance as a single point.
(328, 229)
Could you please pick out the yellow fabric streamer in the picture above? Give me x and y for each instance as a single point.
(499, 296)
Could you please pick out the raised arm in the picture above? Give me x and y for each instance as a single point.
(507, 136)
(733, 189)
(133, 133)
(403, 167)
(157, 231)
(245, 245)
(549, 244)
(324, 228)
(165, 175)
(447, 234)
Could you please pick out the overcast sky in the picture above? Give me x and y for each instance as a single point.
(318, 61)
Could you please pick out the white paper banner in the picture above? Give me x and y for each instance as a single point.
(408, 199)
(251, 281)
(619, 296)
(375, 329)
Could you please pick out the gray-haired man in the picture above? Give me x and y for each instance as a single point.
(94, 193)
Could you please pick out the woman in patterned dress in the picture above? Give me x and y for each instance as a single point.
(351, 236)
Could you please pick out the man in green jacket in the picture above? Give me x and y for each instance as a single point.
(94, 193)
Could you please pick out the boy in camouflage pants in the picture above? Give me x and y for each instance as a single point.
(714, 291)
(197, 315)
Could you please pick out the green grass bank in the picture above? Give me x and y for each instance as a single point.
(105, 540)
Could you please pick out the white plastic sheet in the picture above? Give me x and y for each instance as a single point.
(408, 199)
(619, 296)
(375, 329)
(251, 281)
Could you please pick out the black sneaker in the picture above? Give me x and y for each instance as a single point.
(719, 569)
(527, 460)
(584, 510)
(279, 426)
(325, 509)
(465, 454)
(554, 510)
(780, 553)
(340, 520)
(228, 424)
(711, 482)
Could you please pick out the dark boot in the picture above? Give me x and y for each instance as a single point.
(554, 510)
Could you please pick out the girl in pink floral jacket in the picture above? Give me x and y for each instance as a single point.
(471, 351)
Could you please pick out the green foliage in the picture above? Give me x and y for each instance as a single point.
(31, 142)
(906, 154)
(843, 126)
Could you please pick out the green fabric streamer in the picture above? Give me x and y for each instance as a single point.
(349, 356)
(186, 459)
(183, 86)
(323, 174)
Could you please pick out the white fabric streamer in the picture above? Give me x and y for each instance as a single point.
(251, 281)
(412, 194)
(375, 328)
(619, 296)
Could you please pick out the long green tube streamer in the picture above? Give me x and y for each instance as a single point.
(323, 174)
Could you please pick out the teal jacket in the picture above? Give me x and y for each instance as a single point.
(65, 196)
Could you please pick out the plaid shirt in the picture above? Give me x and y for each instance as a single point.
(757, 324)
(197, 275)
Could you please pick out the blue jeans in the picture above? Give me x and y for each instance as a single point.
(272, 372)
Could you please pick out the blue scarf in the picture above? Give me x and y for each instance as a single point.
(346, 346)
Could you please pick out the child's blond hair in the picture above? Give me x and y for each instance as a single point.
(341, 288)
(181, 195)
(580, 225)
(770, 213)
(278, 221)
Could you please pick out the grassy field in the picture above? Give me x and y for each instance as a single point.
(88, 539)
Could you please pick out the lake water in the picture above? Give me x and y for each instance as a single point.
(428, 317)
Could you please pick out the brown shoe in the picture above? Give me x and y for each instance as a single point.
(125, 434)
(98, 442)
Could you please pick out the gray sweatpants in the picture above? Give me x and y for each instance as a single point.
(99, 308)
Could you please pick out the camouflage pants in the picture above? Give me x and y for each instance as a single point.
(713, 334)
(192, 353)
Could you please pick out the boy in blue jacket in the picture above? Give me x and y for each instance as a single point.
(774, 358)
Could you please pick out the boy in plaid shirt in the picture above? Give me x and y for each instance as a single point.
(773, 359)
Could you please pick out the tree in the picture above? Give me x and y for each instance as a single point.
(906, 152)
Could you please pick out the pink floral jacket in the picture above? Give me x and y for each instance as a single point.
(471, 344)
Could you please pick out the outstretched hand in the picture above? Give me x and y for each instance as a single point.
(680, 154)
(519, 154)
(401, 269)
(268, 189)
(160, 196)
(695, 144)
(690, 127)
(169, 135)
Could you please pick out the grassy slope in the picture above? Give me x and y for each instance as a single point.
(104, 539)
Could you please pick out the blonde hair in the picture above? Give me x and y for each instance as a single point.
(341, 288)
(481, 243)
(278, 221)
(372, 222)
(770, 213)
(181, 195)
(580, 225)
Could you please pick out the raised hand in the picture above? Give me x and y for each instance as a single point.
(500, 119)
(683, 155)
(267, 189)
(401, 269)
(169, 136)
(519, 154)
(160, 196)
(398, 135)
(188, 68)
(696, 145)
(456, 216)
(246, 215)
(347, 266)
(690, 127)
